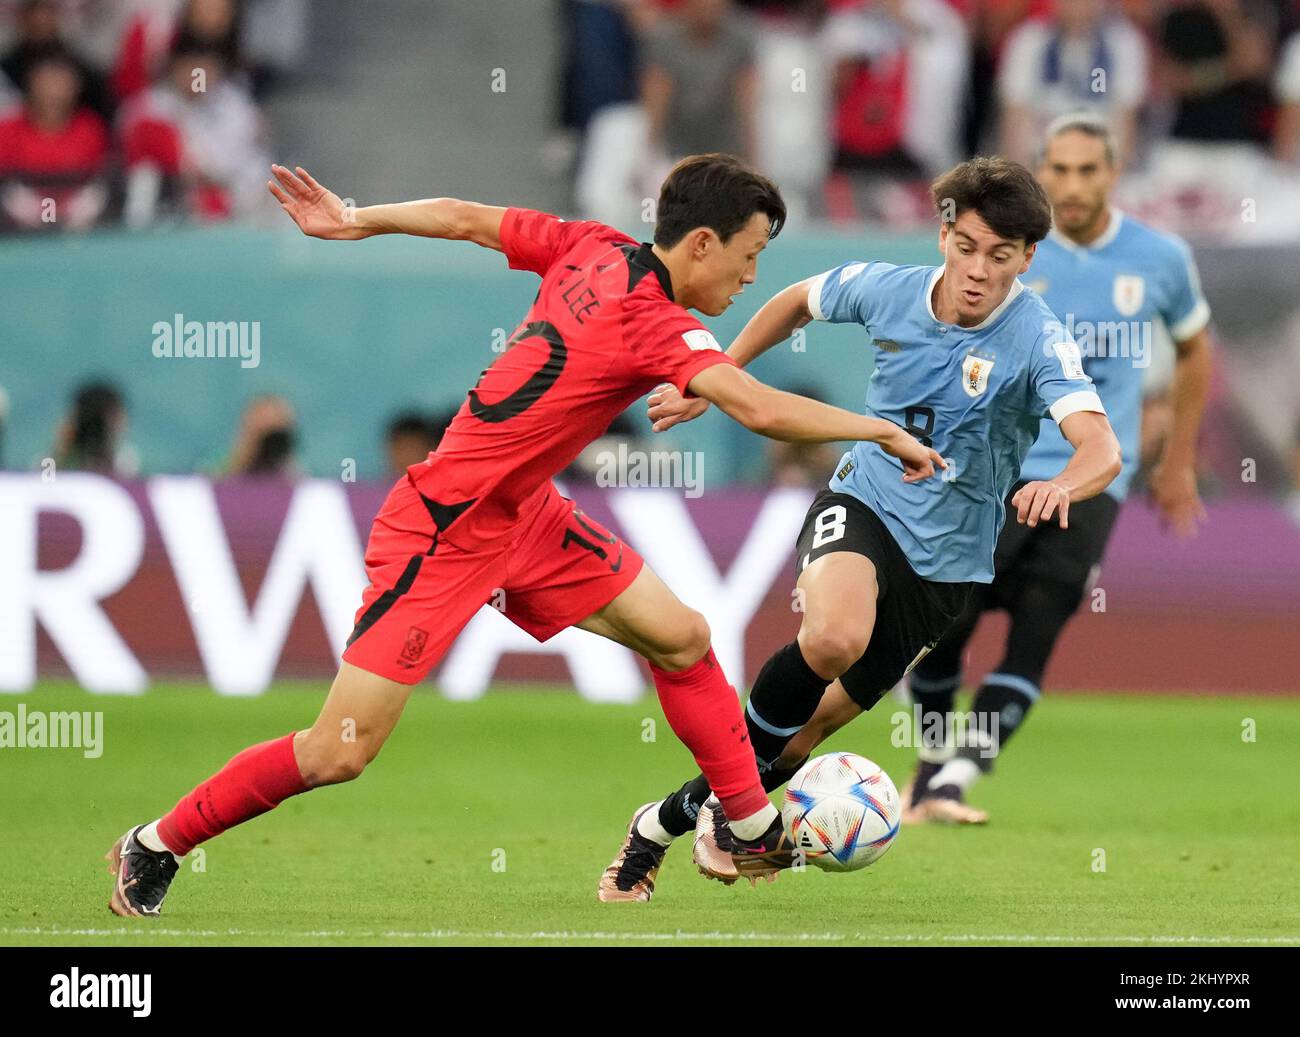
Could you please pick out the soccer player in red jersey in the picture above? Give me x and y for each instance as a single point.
(481, 516)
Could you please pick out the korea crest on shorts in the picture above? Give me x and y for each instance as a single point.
(1128, 292)
(975, 374)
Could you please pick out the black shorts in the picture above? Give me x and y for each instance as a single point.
(1047, 553)
(911, 613)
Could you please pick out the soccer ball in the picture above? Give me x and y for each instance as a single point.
(842, 811)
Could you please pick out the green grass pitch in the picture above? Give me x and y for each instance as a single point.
(490, 823)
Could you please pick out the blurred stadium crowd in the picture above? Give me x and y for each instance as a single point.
(137, 111)
(852, 104)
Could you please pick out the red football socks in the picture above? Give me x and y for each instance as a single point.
(703, 710)
(253, 782)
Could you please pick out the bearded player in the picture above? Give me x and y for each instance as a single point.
(480, 515)
(969, 361)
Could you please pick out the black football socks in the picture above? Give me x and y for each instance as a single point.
(934, 697)
(999, 709)
(785, 696)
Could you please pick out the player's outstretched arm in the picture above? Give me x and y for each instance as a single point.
(797, 419)
(776, 320)
(320, 213)
(1095, 464)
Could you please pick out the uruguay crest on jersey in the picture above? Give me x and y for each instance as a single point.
(975, 374)
(976, 394)
(1113, 295)
(1128, 292)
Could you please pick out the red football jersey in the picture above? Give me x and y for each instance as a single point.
(71, 154)
(603, 331)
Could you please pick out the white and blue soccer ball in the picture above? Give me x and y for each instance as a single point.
(842, 811)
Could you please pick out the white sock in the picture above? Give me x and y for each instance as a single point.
(648, 826)
(752, 827)
(148, 837)
(935, 753)
(958, 771)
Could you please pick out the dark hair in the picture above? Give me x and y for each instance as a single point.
(1087, 123)
(49, 54)
(411, 423)
(189, 41)
(1003, 193)
(715, 191)
(95, 405)
(273, 453)
(442, 419)
(195, 50)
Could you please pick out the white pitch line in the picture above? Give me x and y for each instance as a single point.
(452, 934)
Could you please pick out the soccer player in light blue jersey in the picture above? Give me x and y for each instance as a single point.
(1115, 284)
(970, 361)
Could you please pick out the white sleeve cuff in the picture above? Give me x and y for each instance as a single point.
(815, 286)
(1191, 324)
(1084, 399)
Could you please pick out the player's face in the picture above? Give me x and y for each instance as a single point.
(1078, 180)
(722, 271)
(979, 266)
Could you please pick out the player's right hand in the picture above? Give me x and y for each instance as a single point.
(1036, 502)
(668, 407)
(318, 211)
(919, 461)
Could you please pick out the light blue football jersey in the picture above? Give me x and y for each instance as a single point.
(1112, 296)
(977, 395)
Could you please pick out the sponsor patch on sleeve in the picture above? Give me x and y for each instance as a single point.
(700, 338)
(1071, 361)
(851, 271)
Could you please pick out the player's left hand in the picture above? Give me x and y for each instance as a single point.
(1037, 501)
(668, 407)
(1173, 491)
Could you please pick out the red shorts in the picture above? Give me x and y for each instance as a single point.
(555, 569)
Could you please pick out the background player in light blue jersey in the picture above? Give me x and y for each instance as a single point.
(969, 361)
(1116, 285)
